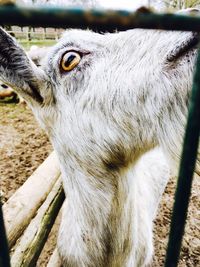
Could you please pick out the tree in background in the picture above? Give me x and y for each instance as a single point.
(174, 4)
(180, 4)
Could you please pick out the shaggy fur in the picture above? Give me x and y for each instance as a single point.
(128, 94)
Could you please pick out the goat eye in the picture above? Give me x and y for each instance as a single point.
(70, 60)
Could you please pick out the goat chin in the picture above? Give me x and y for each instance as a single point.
(125, 223)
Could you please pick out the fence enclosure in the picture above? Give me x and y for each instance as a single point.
(29, 33)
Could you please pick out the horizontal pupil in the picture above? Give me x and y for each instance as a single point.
(69, 60)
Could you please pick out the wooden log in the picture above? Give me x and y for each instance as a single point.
(33, 240)
(54, 260)
(23, 205)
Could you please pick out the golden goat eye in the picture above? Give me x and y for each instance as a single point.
(70, 60)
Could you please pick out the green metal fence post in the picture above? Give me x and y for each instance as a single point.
(4, 252)
(187, 166)
(101, 20)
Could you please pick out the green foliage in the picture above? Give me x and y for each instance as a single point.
(175, 4)
(27, 44)
(180, 4)
(184, 3)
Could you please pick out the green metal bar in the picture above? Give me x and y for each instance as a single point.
(187, 166)
(4, 252)
(95, 19)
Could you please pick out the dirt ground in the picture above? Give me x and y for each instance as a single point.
(24, 146)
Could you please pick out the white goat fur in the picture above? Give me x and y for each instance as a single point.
(123, 99)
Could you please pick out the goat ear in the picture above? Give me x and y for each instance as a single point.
(18, 71)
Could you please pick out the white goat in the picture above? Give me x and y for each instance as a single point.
(104, 101)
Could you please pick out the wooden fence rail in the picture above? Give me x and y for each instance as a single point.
(31, 212)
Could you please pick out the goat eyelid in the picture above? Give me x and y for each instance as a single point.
(76, 50)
